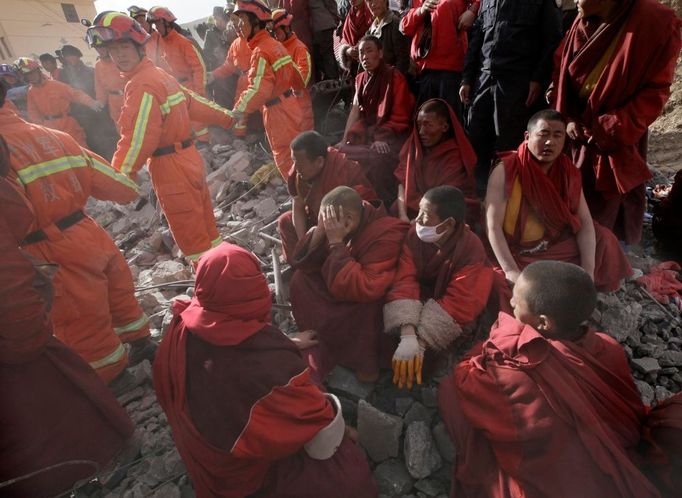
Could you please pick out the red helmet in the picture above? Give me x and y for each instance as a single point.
(114, 26)
(258, 9)
(160, 14)
(25, 65)
(281, 17)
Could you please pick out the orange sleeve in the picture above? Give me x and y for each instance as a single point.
(303, 63)
(207, 112)
(228, 67)
(34, 114)
(108, 184)
(77, 96)
(140, 124)
(195, 61)
(261, 83)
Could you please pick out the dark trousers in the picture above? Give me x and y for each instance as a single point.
(497, 119)
(440, 84)
(323, 55)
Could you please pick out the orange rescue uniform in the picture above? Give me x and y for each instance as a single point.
(109, 85)
(153, 50)
(273, 79)
(48, 103)
(238, 60)
(94, 303)
(301, 57)
(187, 65)
(155, 124)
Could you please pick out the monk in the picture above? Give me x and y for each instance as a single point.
(379, 120)
(442, 285)
(617, 64)
(245, 415)
(535, 209)
(343, 269)
(317, 170)
(355, 26)
(54, 406)
(546, 407)
(436, 153)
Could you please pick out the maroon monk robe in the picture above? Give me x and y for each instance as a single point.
(663, 455)
(339, 292)
(627, 97)
(238, 396)
(338, 171)
(356, 24)
(386, 105)
(451, 162)
(537, 418)
(554, 198)
(54, 407)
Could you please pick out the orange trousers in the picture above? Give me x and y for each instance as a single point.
(94, 309)
(283, 122)
(68, 124)
(179, 180)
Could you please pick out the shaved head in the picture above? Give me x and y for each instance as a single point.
(344, 197)
(562, 291)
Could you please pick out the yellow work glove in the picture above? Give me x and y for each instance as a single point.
(264, 174)
(408, 360)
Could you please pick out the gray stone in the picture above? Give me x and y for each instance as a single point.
(421, 456)
(622, 321)
(164, 272)
(661, 393)
(444, 443)
(646, 365)
(392, 478)
(344, 381)
(430, 396)
(379, 432)
(430, 487)
(671, 359)
(402, 405)
(646, 392)
(168, 490)
(265, 207)
(418, 412)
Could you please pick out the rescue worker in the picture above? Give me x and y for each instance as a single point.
(49, 101)
(155, 124)
(281, 21)
(152, 47)
(109, 84)
(49, 64)
(182, 56)
(95, 310)
(273, 81)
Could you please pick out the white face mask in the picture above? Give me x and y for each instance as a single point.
(429, 234)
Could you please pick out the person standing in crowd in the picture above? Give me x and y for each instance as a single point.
(49, 101)
(49, 64)
(109, 84)
(74, 71)
(355, 26)
(508, 65)
(324, 18)
(153, 46)
(608, 113)
(215, 43)
(386, 27)
(438, 30)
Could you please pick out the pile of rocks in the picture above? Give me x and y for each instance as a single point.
(401, 431)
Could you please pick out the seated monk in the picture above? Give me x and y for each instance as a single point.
(535, 209)
(55, 408)
(245, 416)
(343, 269)
(317, 169)
(436, 153)
(379, 119)
(546, 407)
(442, 284)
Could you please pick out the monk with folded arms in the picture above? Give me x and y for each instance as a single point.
(343, 269)
(442, 284)
(535, 209)
(546, 407)
(245, 415)
(317, 169)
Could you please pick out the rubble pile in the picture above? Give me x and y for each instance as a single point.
(401, 432)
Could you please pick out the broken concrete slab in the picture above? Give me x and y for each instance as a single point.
(379, 432)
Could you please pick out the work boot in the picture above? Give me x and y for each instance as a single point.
(124, 382)
(140, 350)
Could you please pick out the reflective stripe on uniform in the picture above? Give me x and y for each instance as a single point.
(279, 63)
(132, 326)
(138, 133)
(110, 359)
(203, 66)
(171, 101)
(202, 132)
(253, 90)
(40, 170)
(113, 174)
(206, 102)
(216, 242)
(306, 78)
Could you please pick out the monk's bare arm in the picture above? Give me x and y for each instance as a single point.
(402, 210)
(496, 205)
(298, 217)
(352, 119)
(586, 239)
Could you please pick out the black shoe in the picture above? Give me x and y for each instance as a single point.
(124, 382)
(140, 350)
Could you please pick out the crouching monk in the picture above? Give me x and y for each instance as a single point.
(442, 284)
(343, 269)
(245, 416)
(535, 209)
(546, 407)
(55, 409)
